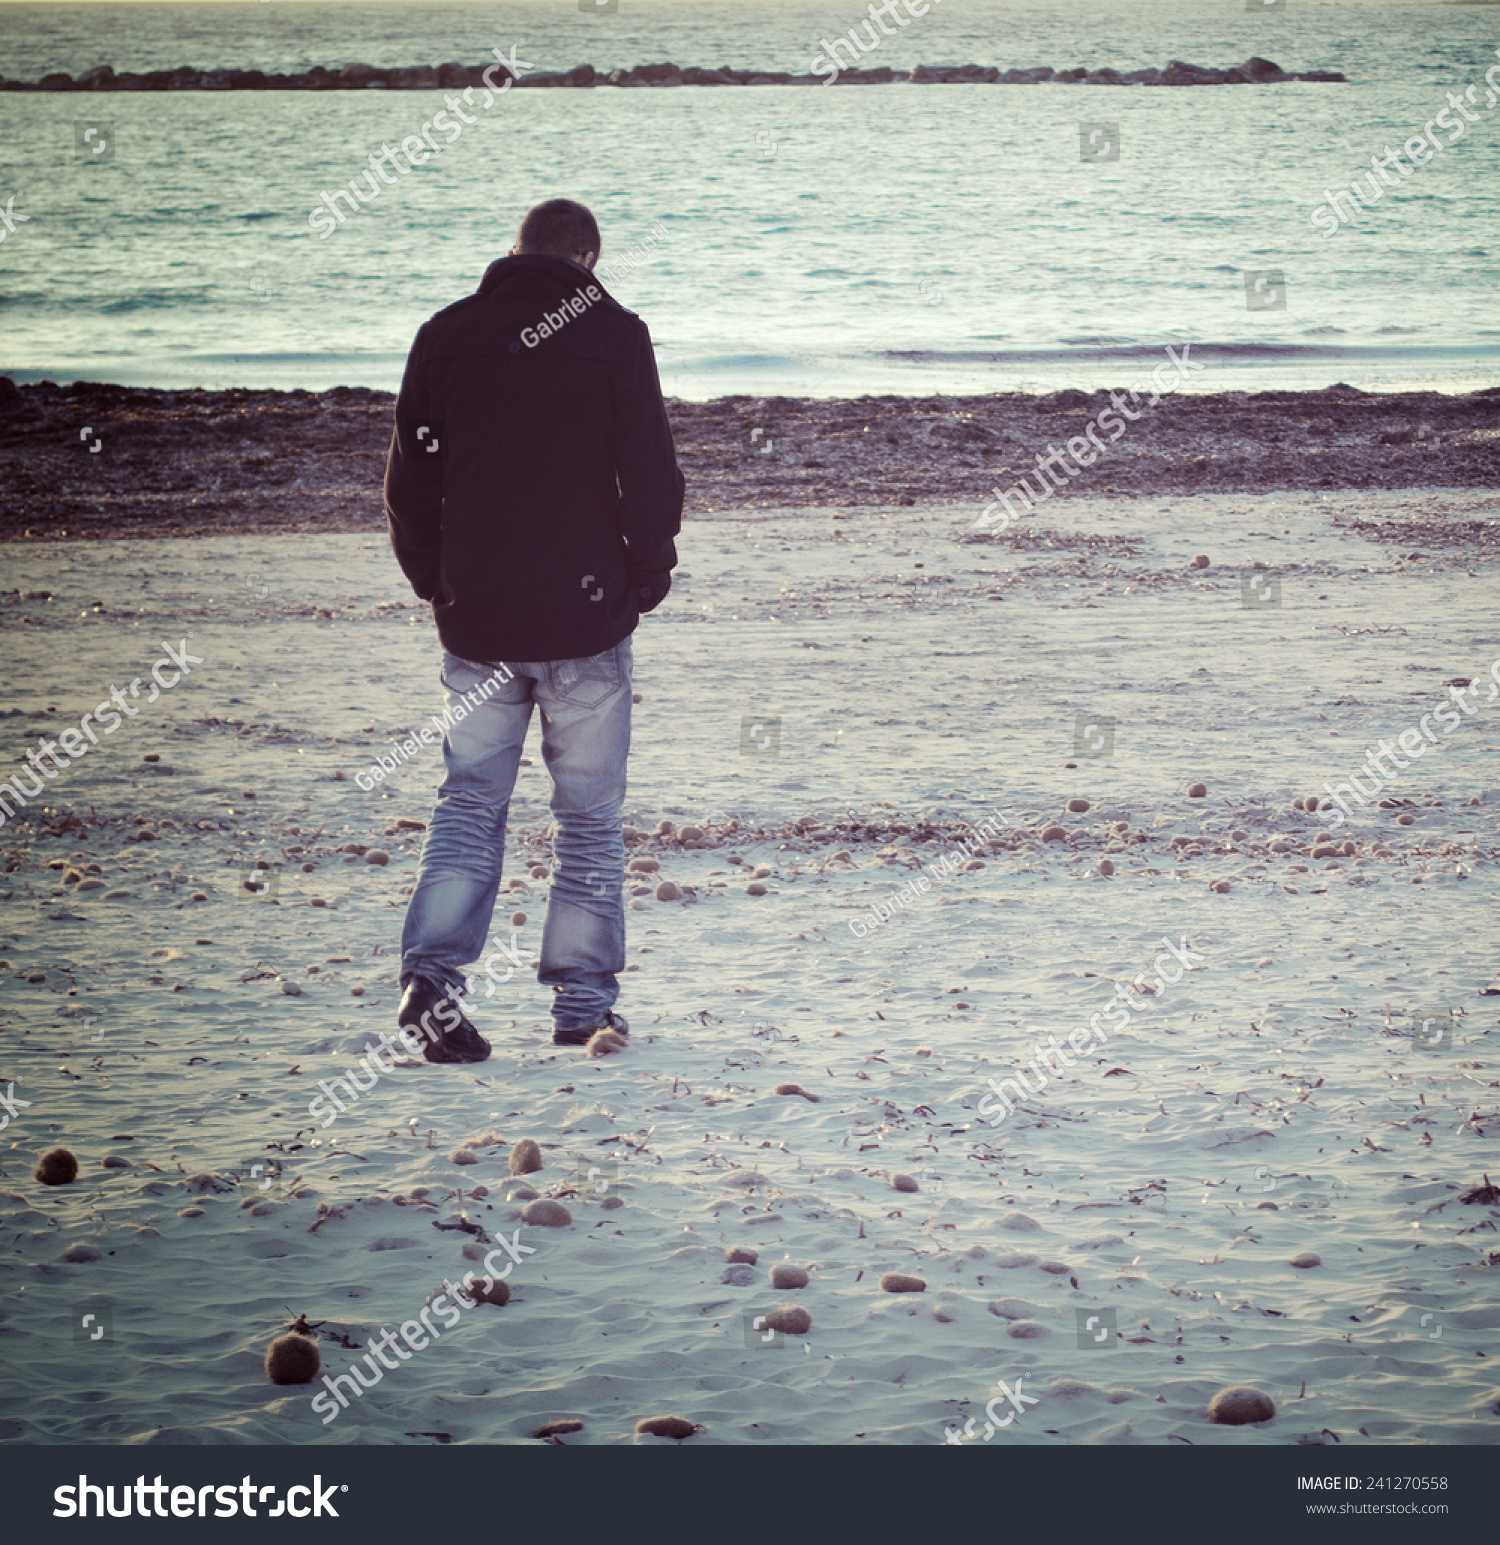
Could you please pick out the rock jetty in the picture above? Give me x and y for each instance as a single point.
(428, 77)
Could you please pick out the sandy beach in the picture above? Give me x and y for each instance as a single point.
(846, 681)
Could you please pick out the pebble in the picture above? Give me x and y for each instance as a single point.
(1200, 561)
(611, 1202)
(666, 891)
(1237, 1405)
(742, 1253)
(784, 1276)
(738, 1276)
(798, 1089)
(1077, 806)
(523, 1194)
(904, 1183)
(603, 1042)
(1106, 866)
(81, 1252)
(793, 1320)
(56, 1167)
(1267, 1207)
(116, 1161)
(1306, 1259)
(377, 856)
(517, 919)
(1197, 791)
(292, 1359)
(666, 1426)
(463, 1156)
(1056, 1268)
(755, 888)
(556, 1429)
(899, 1282)
(525, 1157)
(546, 1214)
(1019, 1223)
(691, 834)
(643, 866)
(291, 989)
(1054, 834)
(489, 1290)
(1026, 1330)
(1219, 887)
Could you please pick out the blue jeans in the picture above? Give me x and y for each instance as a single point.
(585, 706)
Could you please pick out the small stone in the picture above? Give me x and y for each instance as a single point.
(1267, 1207)
(557, 1429)
(1197, 791)
(56, 1167)
(191, 1212)
(489, 1290)
(785, 1276)
(546, 1214)
(525, 1157)
(115, 1161)
(1019, 1223)
(666, 891)
(899, 1282)
(463, 1156)
(1106, 866)
(798, 1089)
(1405, 820)
(1077, 806)
(742, 1253)
(611, 1201)
(666, 1426)
(1054, 833)
(942, 1315)
(1200, 561)
(292, 1359)
(904, 1183)
(755, 888)
(1307, 1259)
(517, 919)
(523, 1194)
(663, 828)
(1219, 887)
(405, 823)
(290, 988)
(81, 1252)
(792, 1320)
(691, 834)
(643, 866)
(1237, 1405)
(377, 856)
(739, 1276)
(1026, 1330)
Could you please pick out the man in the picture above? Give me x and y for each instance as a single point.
(533, 494)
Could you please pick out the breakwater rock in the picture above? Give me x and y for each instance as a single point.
(429, 77)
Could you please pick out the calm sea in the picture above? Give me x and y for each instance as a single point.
(899, 239)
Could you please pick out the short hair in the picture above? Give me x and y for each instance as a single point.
(559, 227)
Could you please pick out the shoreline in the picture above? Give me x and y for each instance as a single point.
(174, 463)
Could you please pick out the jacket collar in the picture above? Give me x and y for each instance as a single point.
(567, 273)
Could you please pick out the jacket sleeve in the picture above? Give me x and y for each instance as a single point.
(414, 481)
(651, 486)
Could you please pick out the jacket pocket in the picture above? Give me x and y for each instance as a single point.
(587, 682)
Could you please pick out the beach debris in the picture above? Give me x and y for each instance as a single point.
(1237, 1405)
(798, 1089)
(742, 1253)
(604, 1042)
(1487, 1194)
(787, 1276)
(56, 1167)
(899, 1282)
(790, 1320)
(904, 1183)
(525, 1157)
(1306, 1260)
(544, 1213)
(293, 1359)
(558, 1428)
(666, 1426)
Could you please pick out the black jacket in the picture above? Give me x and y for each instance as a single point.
(532, 487)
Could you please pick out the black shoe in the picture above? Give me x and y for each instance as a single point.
(430, 1008)
(611, 1021)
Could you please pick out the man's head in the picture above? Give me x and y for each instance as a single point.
(560, 228)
